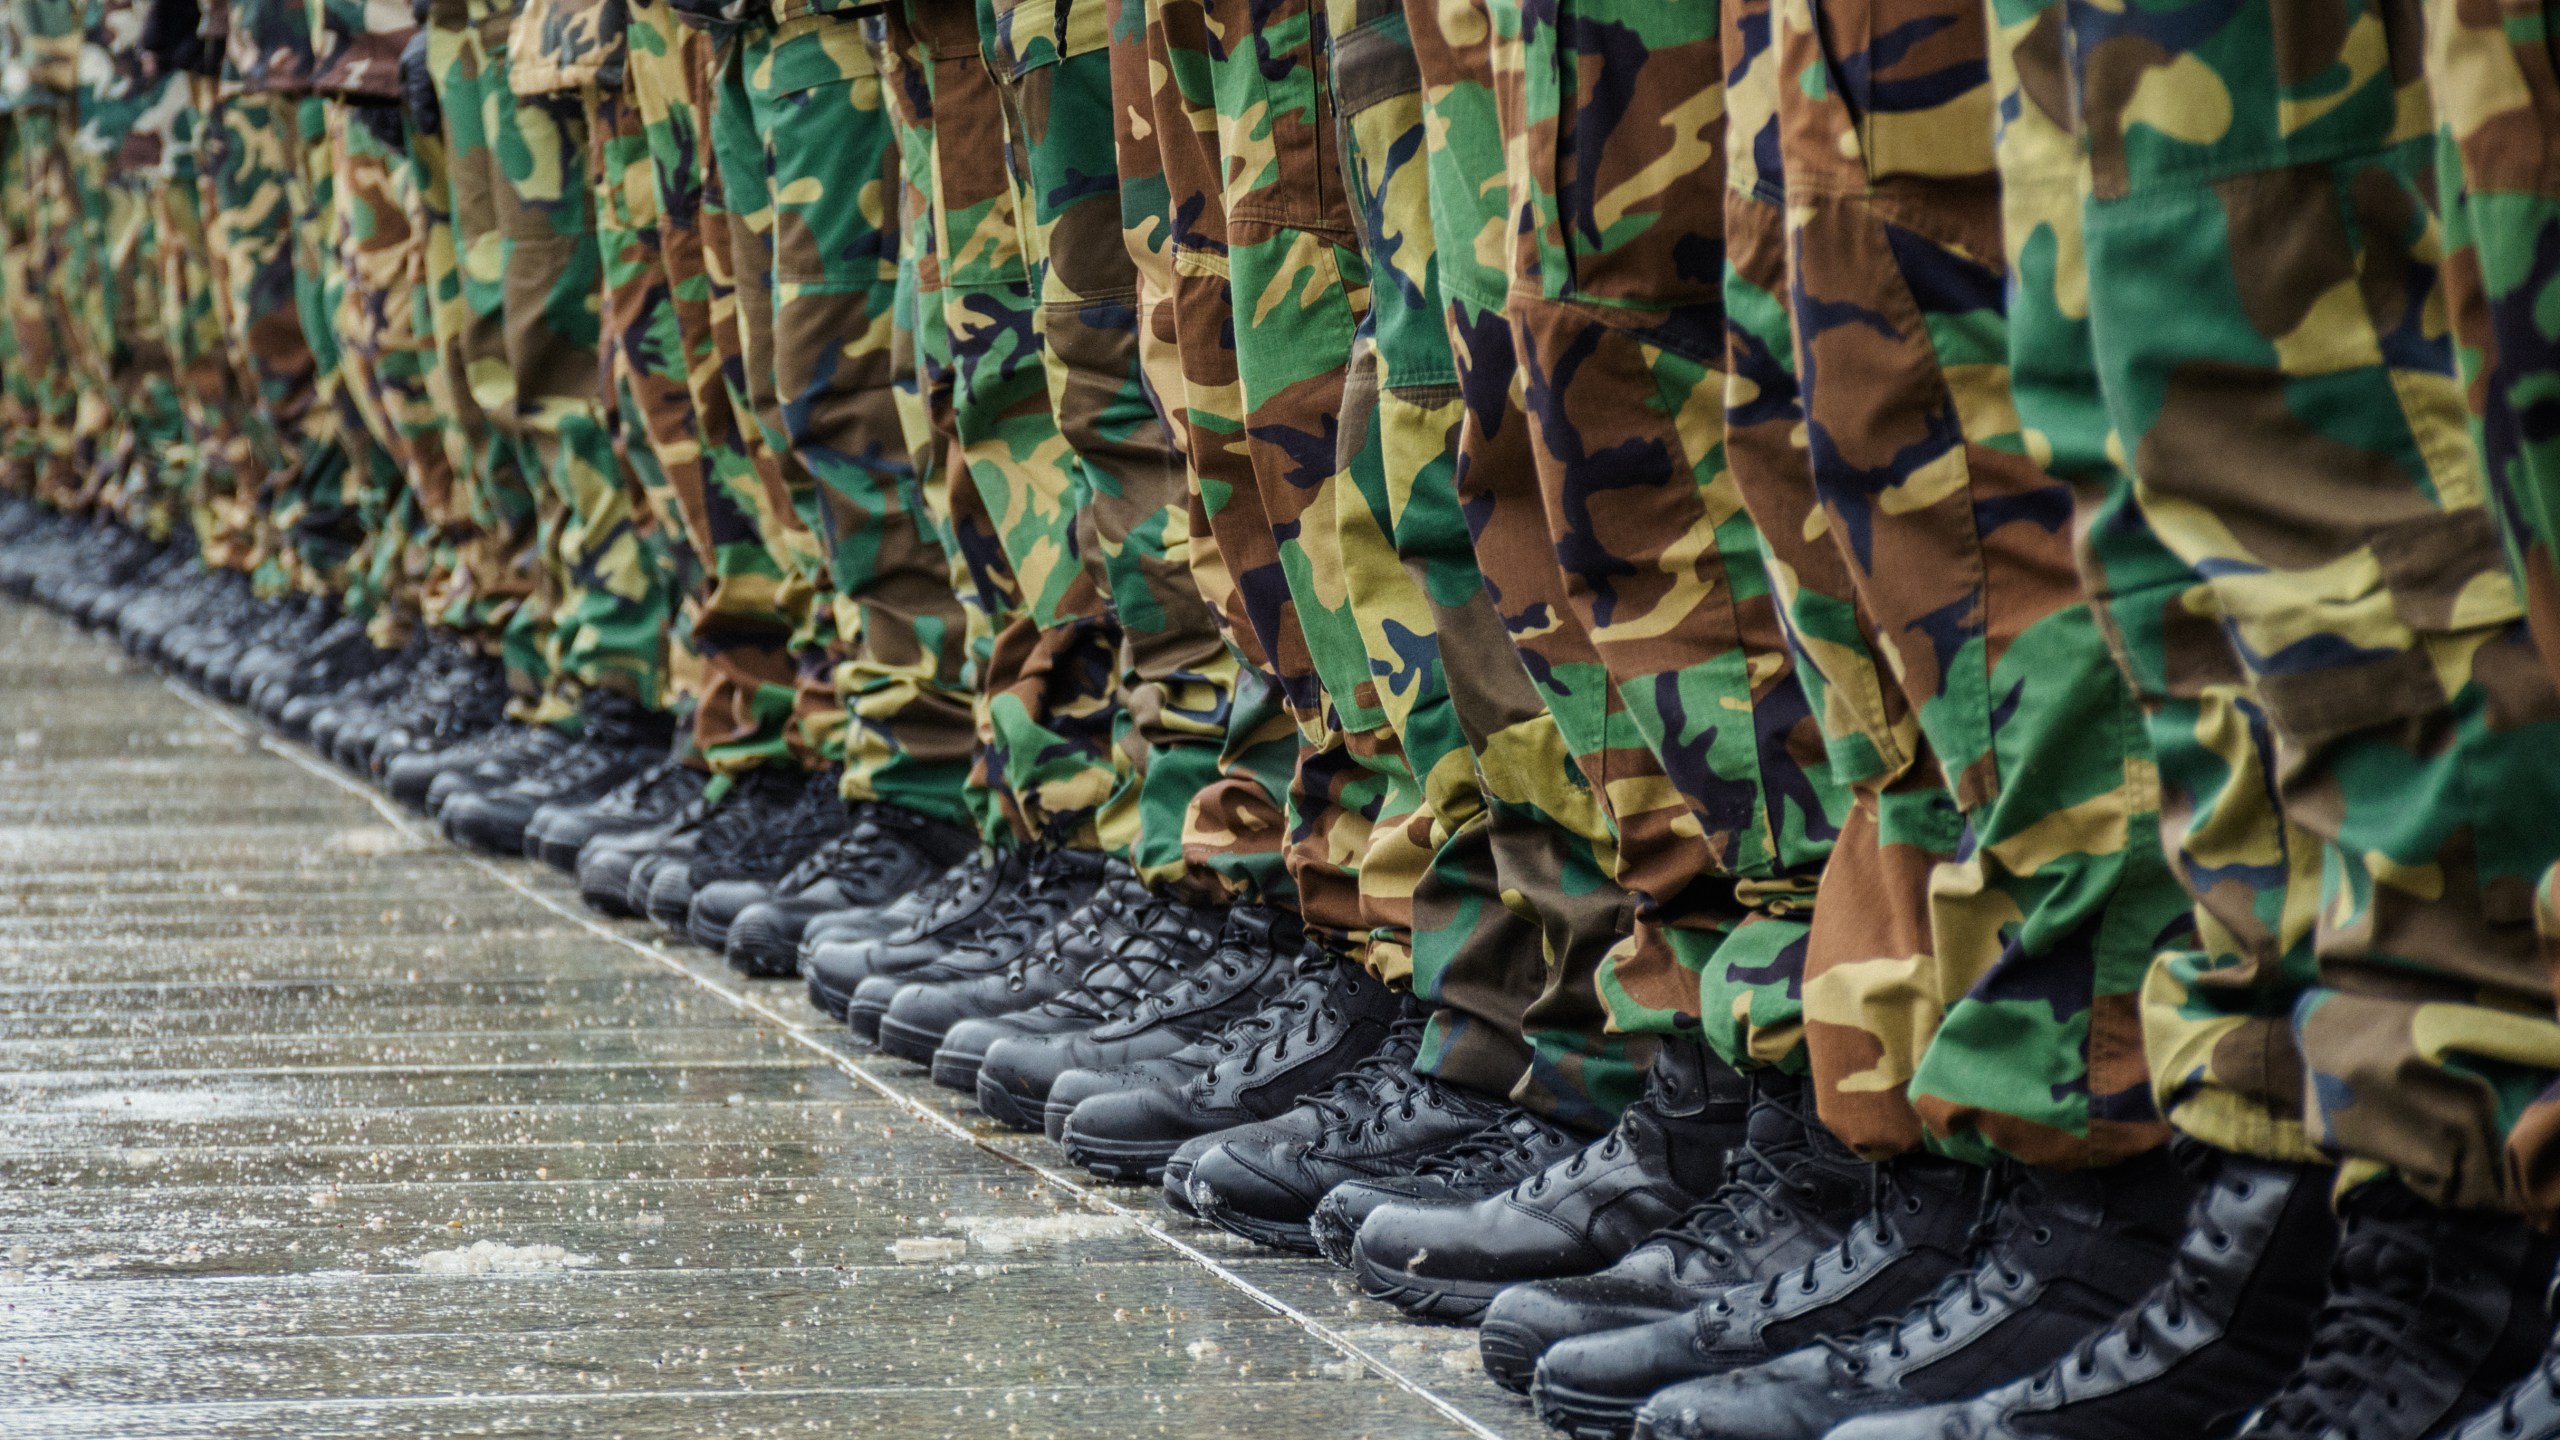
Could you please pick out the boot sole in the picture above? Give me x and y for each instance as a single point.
(750, 959)
(909, 1043)
(1284, 1235)
(834, 1004)
(955, 1071)
(710, 937)
(1445, 1302)
(1002, 1105)
(1334, 1236)
(1511, 1358)
(1137, 1164)
(864, 1021)
(1585, 1417)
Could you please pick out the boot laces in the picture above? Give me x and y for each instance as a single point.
(638, 790)
(1608, 1147)
(1761, 1184)
(1139, 965)
(1265, 1036)
(1887, 1195)
(1195, 986)
(865, 857)
(2376, 1314)
(1020, 915)
(1494, 1150)
(1985, 1258)
(1383, 1084)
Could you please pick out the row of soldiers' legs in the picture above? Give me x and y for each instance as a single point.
(1619, 661)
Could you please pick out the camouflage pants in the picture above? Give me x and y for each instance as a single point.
(610, 623)
(802, 110)
(479, 569)
(383, 355)
(668, 276)
(1997, 895)
(1267, 290)
(42, 386)
(1516, 911)
(1018, 506)
(316, 512)
(2292, 544)
(1174, 812)
(511, 563)
(211, 401)
(1667, 727)
(2501, 206)
(249, 169)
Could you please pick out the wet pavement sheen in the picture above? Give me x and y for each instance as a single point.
(313, 1126)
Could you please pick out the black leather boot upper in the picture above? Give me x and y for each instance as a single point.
(2430, 1315)
(1666, 1153)
(1379, 1119)
(2203, 1349)
(562, 828)
(840, 951)
(1250, 962)
(2530, 1408)
(1790, 1192)
(890, 852)
(1332, 1015)
(923, 1013)
(2060, 1256)
(1510, 1148)
(1142, 950)
(1060, 885)
(1164, 949)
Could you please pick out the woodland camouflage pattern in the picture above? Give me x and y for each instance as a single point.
(2003, 880)
(2497, 101)
(2258, 277)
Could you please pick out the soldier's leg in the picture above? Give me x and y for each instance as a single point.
(743, 330)
(611, 620)
(2497, 99)
(740, 626)
(823, 125)
(2277, 462)
(500, 568)
(1177, 677)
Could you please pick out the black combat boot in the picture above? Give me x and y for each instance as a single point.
(1332, 1015)
(1129, 976)
(462, 704)
(2431, 1316)
(609, 864)
(1060, 884)
(1246, 967)
(967, 884)
(1263, 1182)
(617, 739)
(942, 1025)
(1666, 1153)
(768, 819)
(2208, 1345)
(2060, 1256)
(836, 956)
(1514, 1146)
(2530, 1410)
(1924, 1214)
(757, 858)
(495, 757)
(1790, 1192)
(890, 853)
(561, 829)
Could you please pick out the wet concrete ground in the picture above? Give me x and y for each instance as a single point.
(313, 1126)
